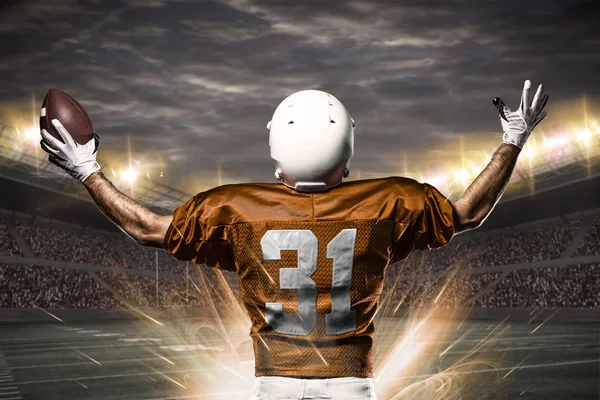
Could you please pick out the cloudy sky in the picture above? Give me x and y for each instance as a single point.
(188, 85)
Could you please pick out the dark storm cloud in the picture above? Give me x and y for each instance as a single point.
(198, 81)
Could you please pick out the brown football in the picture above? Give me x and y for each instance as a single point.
(59, 105)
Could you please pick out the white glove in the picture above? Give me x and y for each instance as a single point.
(518, 125)
(79, 160)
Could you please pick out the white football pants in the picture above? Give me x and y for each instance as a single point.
(280, 388)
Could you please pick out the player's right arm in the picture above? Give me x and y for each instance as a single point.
(144, 226)
(482, 195)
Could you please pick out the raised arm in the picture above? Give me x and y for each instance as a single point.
(482, 195)
(146, 227)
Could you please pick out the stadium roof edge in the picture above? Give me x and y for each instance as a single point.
(34, 170)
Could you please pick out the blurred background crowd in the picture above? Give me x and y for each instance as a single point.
(481, 270)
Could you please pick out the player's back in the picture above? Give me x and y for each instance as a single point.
(311, 265)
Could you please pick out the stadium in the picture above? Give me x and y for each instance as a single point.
(508, 310)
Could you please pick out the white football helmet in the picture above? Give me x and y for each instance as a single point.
(311, 136)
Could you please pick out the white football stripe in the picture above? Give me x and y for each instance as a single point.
(43, 112)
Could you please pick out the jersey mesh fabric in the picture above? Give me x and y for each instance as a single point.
(223, 228)
(316, 354)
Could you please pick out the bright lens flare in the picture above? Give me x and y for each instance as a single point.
(436, 180)
(559, 141)
(461, 176)
(566, 143)
(32, 134)
(529, 152)
(129, 175)
(584, 136)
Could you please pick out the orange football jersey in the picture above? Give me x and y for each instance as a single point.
(311, 265)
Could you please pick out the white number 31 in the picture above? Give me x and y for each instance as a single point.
(341, 250)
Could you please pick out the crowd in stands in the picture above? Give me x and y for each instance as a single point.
(445, 277)
(26, 286)
(441, 259)
(514, 246)
(591, 242)
(566, 287)
(59, 244)
(138, 256)
(202, 289)
(446, 291)
(8, 246)
(141, 291)
(517, 246)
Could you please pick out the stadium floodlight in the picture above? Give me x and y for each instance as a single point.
(29, 135)
(129, 175)
(436, 180)
(584, 135)
(32, 134)
(461, 176)
(475, 169)
(529, 152)
(558, 141)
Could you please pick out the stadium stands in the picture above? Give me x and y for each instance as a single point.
(525, 245)
(591, 243)
(140, 291)
(473, 270)
(26, 286)
(62, 245)
(451, 256)
(8, 245)
(147, 258)
(565, 287)
(446, 292)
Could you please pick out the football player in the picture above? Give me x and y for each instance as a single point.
(310, 253)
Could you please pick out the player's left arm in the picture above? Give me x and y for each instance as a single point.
(482, 195)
